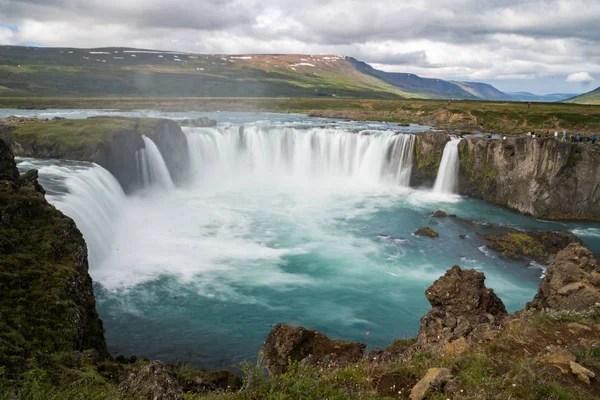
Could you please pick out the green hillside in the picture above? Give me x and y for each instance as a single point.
(137, 73)
(144, 73)
(592, 97)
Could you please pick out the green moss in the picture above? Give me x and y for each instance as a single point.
(80, 139)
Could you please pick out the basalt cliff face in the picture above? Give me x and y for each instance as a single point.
(47, 302)
(112, 142)
(541, 177)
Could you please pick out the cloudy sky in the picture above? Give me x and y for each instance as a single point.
(542, 46)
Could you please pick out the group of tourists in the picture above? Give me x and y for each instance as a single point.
(563, 137)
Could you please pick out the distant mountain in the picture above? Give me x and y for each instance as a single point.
(483, 91)
(433, 88)
(592, 97)
(547, 98)
(128, 72)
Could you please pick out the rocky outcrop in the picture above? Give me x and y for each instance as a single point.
(428, 151)
(112, 142)
(427, 232)
(572, 282)
(152, 381)
(47, 302)
(461, 307)
(541, 177)
(286, 343)
(202, 122)
(173, 146)
(120, 159)
(540, 246)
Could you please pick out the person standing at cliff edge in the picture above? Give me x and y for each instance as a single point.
(556, 135)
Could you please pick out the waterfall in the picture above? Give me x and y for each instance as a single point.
(447, 177)
(92, 197)
(268, 152)
(154, 169)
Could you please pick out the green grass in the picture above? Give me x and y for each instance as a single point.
(502, 117)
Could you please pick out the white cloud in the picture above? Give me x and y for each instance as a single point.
(584, 77)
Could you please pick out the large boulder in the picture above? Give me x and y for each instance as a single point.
(286, 343)
(152, 381)
(461, 307)
(572, 281)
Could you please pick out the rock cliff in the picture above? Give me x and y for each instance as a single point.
(428, 150)
(541, 177)
(47, 302)
(111, 142)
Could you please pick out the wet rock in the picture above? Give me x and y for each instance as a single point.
(433, 381)
(462, 236)
(202, 122)
(461, 307)
(572, 281)
(426, 231)
(540, 246)
(152, 381)
(296, 343)
(439, 214)
(582, 373)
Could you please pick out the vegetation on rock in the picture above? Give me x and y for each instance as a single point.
(426, 231)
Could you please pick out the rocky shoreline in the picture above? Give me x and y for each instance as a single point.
(468, 346)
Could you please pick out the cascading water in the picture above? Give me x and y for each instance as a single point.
(447, 177)
(87, 193)
(301, 154)
(157, 172)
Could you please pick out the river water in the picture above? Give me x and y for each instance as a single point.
(301, 221)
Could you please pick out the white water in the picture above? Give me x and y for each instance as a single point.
(158, 173)
(300, 155)
(447, 177)
(94, 201)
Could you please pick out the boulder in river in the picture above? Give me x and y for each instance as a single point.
(426, 231)
(462, 306)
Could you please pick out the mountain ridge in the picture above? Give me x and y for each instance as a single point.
(126, 71)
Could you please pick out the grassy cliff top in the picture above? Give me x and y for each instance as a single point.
(76, 135)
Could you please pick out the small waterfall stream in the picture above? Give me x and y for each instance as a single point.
(447, 177)
(152, 161)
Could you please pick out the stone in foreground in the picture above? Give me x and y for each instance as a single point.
(433, 381)
(297, 343)
(152, 381)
